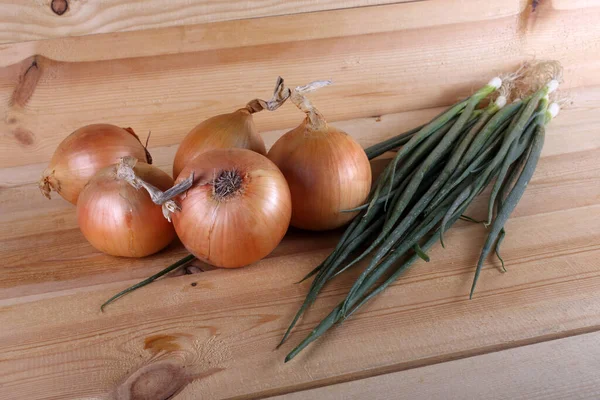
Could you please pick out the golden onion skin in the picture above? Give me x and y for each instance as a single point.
(233, 224)
(120, 220)
(232, 130)
(327, 171)
(83, 153)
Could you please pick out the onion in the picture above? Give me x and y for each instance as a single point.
(83, 153)
(237, 209)
(326, 169)
(233, 130)
(120, 220)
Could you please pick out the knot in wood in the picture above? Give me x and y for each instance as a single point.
(59, 7)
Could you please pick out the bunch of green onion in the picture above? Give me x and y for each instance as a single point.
(439, 169)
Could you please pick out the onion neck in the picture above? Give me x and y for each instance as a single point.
(315, 120)
(126, 173)
(280, 95)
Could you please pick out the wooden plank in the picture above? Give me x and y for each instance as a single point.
(555, 370)
(212, 334)
(224, 329)
(29, 221)
(216, 338)
(26, 20)
(260, 31)
(375, 73)
(367, 131)
(570, 4)
(574, 131)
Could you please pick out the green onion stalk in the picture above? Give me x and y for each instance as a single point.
(434, 177)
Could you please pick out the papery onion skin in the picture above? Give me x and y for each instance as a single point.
(327, 172)
(238, 229)
(232, 130)
(120, 220)
(83, 153)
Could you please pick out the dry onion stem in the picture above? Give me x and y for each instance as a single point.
(164, 199)
(232, 210)
(231, 130)
(326, 169)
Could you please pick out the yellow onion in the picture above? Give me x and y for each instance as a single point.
(120, 219)
(233, 130)
(237, 209)
(326, 169)
(83, 153)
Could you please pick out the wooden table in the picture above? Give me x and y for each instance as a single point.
(531, 333)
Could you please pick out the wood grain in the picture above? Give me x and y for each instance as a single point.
(375, 74)
(554, 370)
(224, 328)
(28, 220)
(212, 334)
(549, 291)
(260, 31)
(33, 20)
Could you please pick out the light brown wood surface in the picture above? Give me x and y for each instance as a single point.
(33, 20)
(374, 74)
(260, 31)
(216, 339)
(234, 318)
(523, 373)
